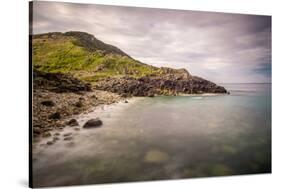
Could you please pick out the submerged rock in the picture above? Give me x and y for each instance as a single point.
(67, 134)
(93, 123)
(56, 138)
(68, 138)
(50, 143)
(156, 156)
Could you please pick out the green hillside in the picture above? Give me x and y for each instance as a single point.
(82, 55)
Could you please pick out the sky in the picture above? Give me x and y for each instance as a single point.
(221, 47)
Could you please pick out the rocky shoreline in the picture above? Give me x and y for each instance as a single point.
(56, 100)
(58, 97)
(169, 82)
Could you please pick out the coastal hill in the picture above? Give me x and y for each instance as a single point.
(105, 67)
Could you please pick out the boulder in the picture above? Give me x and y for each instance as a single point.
(55, 116)
(48, 103)
(93, 123)
(73, 122)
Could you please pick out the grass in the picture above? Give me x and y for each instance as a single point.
(63, 55)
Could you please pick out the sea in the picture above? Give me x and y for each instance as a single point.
(165, 137)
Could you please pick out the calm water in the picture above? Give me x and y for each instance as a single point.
(165, 138)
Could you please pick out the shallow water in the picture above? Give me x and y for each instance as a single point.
(165, 138)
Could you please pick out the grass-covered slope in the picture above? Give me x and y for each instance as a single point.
(84, 56)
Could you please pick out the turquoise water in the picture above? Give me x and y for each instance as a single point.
(166, 138)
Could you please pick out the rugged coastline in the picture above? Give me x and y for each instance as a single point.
(74, 72)
(57, 98)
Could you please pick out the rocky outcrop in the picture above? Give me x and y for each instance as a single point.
(168, 83)
(58, 82)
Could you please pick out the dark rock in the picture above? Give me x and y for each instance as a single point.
(73, 122)
(46, 134)
(57, 134)
(126, 101)
(67, 134)
(50, 142)
(37, 130)
(58, 82)
(169, 82)
(81, 99)
(94, 97)
(56, 138)
(78, 104)
(55, 116)
(93, 123)
(68, 138)
(48, 103)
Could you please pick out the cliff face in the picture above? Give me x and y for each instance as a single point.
(82, 56)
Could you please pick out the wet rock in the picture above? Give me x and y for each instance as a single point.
(46, 134)
(56, 138)
(55, 116)
(77, 129)
(67, 134)
(73, 122)
(50, 143)
(68, 138)
(93, 123)
(57, 134)
(48, 103)
(126, 101)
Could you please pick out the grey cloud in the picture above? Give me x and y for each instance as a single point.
(217, 46)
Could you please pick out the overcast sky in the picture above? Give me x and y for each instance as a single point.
(220, 47)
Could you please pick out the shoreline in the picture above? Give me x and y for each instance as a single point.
(70, 106)
(53, 111)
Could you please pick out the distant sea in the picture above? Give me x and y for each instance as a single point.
(167, 138)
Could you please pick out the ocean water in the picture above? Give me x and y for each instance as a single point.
(165, 138)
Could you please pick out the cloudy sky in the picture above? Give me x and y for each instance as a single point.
(220, 47)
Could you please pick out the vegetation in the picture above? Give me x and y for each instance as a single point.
(85, 57)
